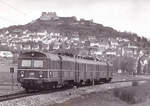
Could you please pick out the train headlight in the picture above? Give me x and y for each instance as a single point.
(22, 73)
(40, 76)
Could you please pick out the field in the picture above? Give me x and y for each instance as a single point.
(138, 95)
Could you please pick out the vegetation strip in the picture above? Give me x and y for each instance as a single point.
(24, 94)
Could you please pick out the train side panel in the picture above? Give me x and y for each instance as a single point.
(41, 70)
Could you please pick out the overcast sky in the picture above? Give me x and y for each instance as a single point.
(122, 15)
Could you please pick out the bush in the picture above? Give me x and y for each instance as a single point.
(131, 95)
(135, 83)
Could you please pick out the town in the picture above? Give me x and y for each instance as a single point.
(80, 37)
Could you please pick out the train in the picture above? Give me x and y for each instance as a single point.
(38, 70)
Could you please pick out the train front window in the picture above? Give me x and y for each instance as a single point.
(26, 63)
(38, 63)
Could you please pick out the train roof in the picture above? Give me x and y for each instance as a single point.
(56, 57)
(52, 56)
(67, 58)
(28, 54)
(79, 60)
(37, 54)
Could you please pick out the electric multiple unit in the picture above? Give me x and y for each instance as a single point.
(38, 70)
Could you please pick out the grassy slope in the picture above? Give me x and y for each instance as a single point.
(128, 96)
(95, 99)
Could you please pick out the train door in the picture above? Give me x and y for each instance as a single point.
(91, 72)
(85, 67)
(108, 72)
(60, 73)
(76, 72)
(97, 72)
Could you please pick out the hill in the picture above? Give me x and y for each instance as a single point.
(51, 31)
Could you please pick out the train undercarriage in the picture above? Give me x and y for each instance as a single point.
(38, 85)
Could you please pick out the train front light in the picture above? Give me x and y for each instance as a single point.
(40, 74)
(22, 73)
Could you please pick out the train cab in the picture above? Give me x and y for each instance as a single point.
(32, 66)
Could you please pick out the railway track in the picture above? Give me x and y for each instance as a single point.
(25, 94)
(8, 84)
(129, 80)
(14, 96)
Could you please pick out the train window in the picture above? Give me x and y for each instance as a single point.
(38, 63)
(26, 63)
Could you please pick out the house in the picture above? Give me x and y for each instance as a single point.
(1, 35)
(25, 32)
(130, 51)
(42, 33)
(114, 43)
(92, 38)
(95, 44)
(104, 45)
(4, 42)
(83, 52)
(26, 47)
(6, 54)
(56, 46)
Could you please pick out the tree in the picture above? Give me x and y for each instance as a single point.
(139, 67)
(125, 63)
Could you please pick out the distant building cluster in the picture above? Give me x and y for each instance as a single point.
(52, 40)
(49, 16)
(19, 39)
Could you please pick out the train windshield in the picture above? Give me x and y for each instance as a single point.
(26, 63)
(38, 63)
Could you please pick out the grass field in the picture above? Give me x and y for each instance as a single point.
(138, 95)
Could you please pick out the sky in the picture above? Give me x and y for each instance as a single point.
(122, 15)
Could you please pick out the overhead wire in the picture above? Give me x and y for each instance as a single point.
(14, 8)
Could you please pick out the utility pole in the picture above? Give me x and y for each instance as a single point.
(12, 77)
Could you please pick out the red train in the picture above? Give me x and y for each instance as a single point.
(37, 70)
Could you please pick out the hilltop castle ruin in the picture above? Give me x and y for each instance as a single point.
(49, 16)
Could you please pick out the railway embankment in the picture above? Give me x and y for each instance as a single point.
(135, 95)
(72, 97)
